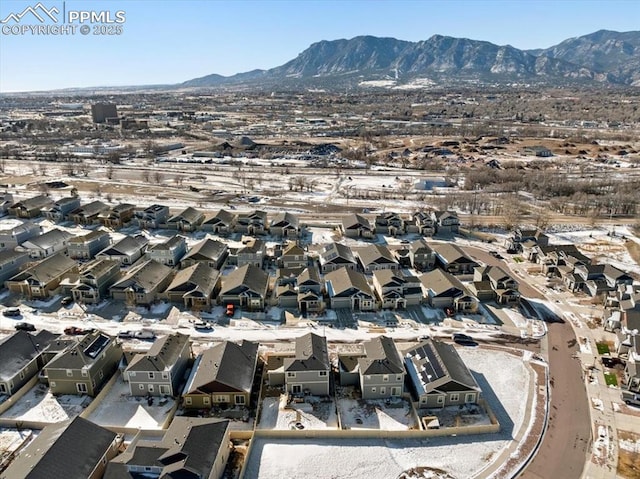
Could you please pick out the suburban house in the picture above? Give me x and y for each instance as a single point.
(151, 217)
(188, 219)
(375, 257)
(195, 286)
(422, 223)
(42, 279)
(221, 223)
(596, 279)
(452, 259)
(396, 290)
(554, 257)
(15, 236)
(88, 214)
(47, 244)
(245, 287)
(381, 369)
(251, 223)
(423, 258)
(84, 367)
(142, 283)
(87, 246)
(491, 282)
(169, 252)
(446, 291)
(350, 289)
(61, 208)
(285, 225)
(335, 256)
(117, 216)
(94, 280)
(211, 252)
(159, 371)
(447, 222)
(31, 207)
(310, 299)
(253, 252)
(523, 240)
(308, 371)
(194, 448)
(438, 376)
(6, 200)
(21, 358)
(222, 375)
(389, 223)
(10, 263)
(357, 226)
(127, 251)
(285, 291)
(73, 449)
(291, 256)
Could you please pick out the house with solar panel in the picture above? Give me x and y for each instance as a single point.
(438, 377)
(85, 366)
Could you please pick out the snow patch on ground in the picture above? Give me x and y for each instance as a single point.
(40, 405)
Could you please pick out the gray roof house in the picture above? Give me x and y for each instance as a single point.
(151, 217)
(10, 264)
(61, 208)
(253, 252)
(85, 366)
(143, 283)
(335, 256)
(438, 376)
(159, 371)
(221, 223)
(31, 207)
(349, 289)
(375, 257)
(42, 279)
(87, 246)
(357, 226)
(21, 358)
(188, 219)
(381, 369)
(423, 258)
(446, 291)
(16, 235)
(223, 374)
(309, 369)
(452, 259)
(72, 449)
(88, 214)
(127, 251)
(396, 290)
(447, 222)
(211, 252)
(94, 280)
(285, 224)
(195, 286)
(169, 252)
(245, 287)
(251, 223)
(47, 244)
(191, 448)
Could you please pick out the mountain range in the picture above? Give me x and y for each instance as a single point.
(601, 58)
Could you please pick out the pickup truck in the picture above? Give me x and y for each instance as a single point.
(75, 331)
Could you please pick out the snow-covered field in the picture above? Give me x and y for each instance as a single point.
(313, 414)
(41, 406)
(119, 408)
(460, 457)
(370, 414)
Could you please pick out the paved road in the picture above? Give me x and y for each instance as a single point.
(563, 451)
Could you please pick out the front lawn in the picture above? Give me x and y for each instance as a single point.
(603, 348)
(610, 379)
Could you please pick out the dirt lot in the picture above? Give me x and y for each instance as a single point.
(628, 454)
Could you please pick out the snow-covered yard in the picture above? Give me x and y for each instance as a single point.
(312, 414)
(499, 374)
(119, 408)
(376, 414)
(40, 405)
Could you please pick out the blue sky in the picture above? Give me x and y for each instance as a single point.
(173, 41)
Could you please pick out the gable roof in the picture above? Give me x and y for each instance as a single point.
(69, 449)
(381, 357)
(226, 367)
(285, 218)
(91, 209)
(189, 214)
(337, 253)
(168, 245)
(48, 239)
(92, 235)
(162, 355)
(46, 270)
(375, 253)
(311, 354)
(19, 349)
(249, 276)
(451, 253)
(126, 246)
(207, 249)
(82, 352)
(198, 277)
(439, 282)
(145, 276)
(354, 221)
(344, 279)
(223, 216)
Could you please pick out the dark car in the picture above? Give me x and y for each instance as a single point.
(464, 340)
(22, 326)
(11, 312)
(66, 301)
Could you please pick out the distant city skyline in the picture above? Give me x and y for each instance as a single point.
(167, 42)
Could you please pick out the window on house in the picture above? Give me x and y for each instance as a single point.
(240, 399)
(21, 374)
(383, 390)
(440, 400)
(454, 397)
(373, 390)
(52, 384)
(69, 373)
(470, 397)
(322, 373)
(84, 373)
(291, 375)
(81, 387)
(141, 386)
(165, 375)
(385, 377)
(206, 400)
(399, 377)
(187, 401)
(151, 375)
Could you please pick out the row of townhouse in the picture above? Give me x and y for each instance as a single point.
(426, 223)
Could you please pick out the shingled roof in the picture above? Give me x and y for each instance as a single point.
(311, 354)
(381, 357)
(162, 355)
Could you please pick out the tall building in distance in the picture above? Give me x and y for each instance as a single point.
(101, 111)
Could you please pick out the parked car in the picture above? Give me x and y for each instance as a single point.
(74, 331)
(464, 339)
(66, 301)
(230, 309)
(203, 326)
(22, 326)
(11, 312)
(631, 398)
(125, 334)
(144, 334)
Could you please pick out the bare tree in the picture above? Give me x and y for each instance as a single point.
(109, 172)
(157, 177)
